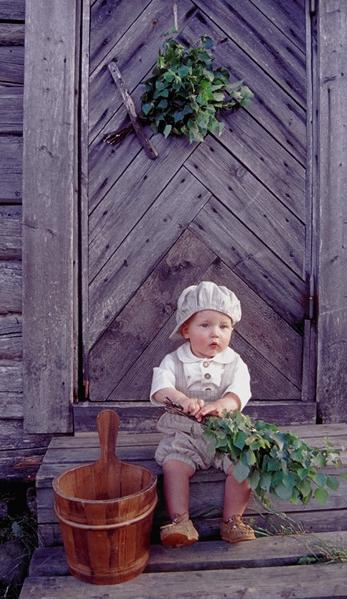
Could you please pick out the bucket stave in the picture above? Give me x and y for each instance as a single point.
(105, 511)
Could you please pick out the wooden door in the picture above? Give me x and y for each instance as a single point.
(234, 209)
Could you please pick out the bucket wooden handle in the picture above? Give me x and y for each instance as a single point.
(107, 424)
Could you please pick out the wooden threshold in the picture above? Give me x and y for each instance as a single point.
(141, 417)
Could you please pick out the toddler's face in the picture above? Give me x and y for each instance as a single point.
(208, 332)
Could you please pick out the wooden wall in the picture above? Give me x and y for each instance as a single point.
(19, 453)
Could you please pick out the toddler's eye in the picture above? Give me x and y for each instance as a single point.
(204, 324)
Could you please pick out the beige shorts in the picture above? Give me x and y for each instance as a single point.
(184, 441)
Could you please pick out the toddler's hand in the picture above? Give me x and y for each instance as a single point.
(214, 408)
(192, 405)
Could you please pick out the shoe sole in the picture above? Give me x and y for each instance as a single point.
(177, 540)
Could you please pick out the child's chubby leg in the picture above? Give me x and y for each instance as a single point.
(176, 488)
(181, 531)
(236, 497)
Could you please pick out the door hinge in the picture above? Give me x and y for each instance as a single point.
(313, 7)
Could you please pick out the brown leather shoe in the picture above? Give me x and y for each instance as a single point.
(236, 530)
(179, 534)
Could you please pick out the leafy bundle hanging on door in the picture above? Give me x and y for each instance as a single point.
(185, 92)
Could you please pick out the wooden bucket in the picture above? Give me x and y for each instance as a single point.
(105, 512)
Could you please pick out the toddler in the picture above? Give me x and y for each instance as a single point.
(204, 376)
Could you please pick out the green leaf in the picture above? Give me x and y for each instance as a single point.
(159, 85)
(251, 459)
(167, 130)
(163, 104)
(240, 439)
(333, 482)
(146, 108)
(218, 96)
(283, 492)
(240, 472)
(321, 495)
(184, 70)
(265, 481)
(254, 479)
(320, 479)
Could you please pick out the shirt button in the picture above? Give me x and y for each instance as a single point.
(205, 364)
(207, 376)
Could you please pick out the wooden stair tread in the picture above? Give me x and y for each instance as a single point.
(210, 555)
(316, 581)
(206, 486)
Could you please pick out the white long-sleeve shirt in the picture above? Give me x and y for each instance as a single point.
(203, 373)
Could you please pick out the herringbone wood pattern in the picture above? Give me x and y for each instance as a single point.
(232, 209)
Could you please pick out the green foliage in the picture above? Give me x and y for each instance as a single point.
(274, 462)
(185, 92)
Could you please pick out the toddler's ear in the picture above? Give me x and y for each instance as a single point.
(184, 331)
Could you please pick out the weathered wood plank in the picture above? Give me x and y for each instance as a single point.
(11, 34)
(139, 186)
(12, 436)
(275, 582)
(267, 383)
(228, 178)
(11, 405)
(11, 148)
(133, 330)
(209, 555)
(110, 22)
(12, 10)
(145, 245)
(11, 109)
(136, 52)
(11, 378)
(11, 64)
(268, 161)
(331, 185)
(289, 17)
(246, 255)
(52, 40)
(108, 162)
(79, 454)
(271, 106)
(90, 439)
(142, 416)
(10, 287)
(265, 44)
(11, 337)
(317, 521)
(206, 496)
(10, 232)
(20, 464)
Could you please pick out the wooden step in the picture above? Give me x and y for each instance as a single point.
(316, 581)
(206, 487)
(267, 567)
(212, 555)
